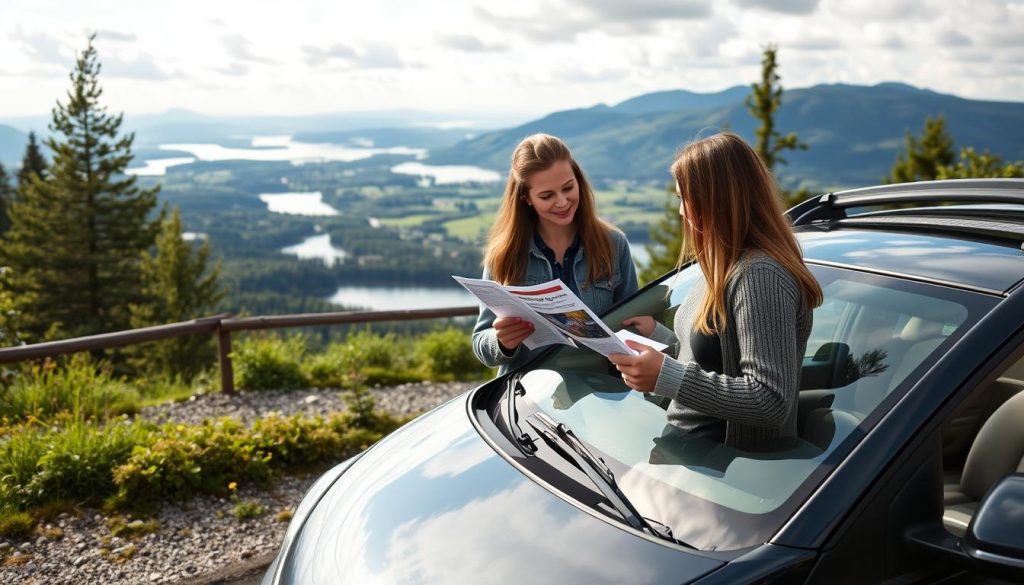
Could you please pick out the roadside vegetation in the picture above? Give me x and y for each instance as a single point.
(68, 437)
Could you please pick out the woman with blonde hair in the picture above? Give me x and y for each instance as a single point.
(547, 227)
(742, 331)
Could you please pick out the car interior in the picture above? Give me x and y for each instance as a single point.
(982, 441)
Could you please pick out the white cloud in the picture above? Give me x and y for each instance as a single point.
(42, 47)
(141, 67)
(533, 56)
(783, 6)
(952, 38)
(470, 44)
(115, 36)
(238, 47)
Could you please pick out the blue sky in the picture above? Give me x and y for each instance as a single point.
(474, 56)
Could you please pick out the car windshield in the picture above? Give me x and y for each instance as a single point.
(869, 336)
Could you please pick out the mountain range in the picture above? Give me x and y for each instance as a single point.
(853, 132)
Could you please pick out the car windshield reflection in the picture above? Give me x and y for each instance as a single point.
(869, 336)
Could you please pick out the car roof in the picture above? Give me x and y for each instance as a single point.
(969, 236)
(952, 260)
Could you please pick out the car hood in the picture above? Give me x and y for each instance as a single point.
(434, 503)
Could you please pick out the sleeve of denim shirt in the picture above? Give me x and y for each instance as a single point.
(624, 264)
(485, 339)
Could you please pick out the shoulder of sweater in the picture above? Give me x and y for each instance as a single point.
(761, 266)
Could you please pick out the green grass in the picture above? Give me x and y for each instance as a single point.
(470, 228)
(408, 221)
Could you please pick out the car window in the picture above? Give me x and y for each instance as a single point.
(869, 335)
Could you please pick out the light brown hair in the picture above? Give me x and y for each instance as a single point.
(734, 204)
(508, 243)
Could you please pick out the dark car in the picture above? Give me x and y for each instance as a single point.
(906, 468)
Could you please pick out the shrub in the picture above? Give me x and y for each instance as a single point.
(448, 354)
(19, 460)
(248, 509)
(120, 526)
(181, 460)
(365, 358)
(78, 386)
(78, 464)
(15, 524)
(270, 363)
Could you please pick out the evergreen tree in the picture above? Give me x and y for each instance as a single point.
(763, 102)
(978, 166)
(178, 284)
(76, 237)
(32, 164)
(923, 157)
(6, 196)
(666, 241)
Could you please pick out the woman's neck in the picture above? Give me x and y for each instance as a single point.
(558, 238)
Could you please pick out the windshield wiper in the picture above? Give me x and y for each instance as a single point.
(514, 389)
(564, 440)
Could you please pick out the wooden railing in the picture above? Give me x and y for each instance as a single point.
(221, 325)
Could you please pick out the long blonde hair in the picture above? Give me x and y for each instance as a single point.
(734, 203)
(509, 240)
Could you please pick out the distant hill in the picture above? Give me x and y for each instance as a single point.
(183, 126)
(854, 132)
(12, 147)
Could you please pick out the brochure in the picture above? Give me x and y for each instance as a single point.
(557, 315)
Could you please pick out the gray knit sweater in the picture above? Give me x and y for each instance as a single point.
(762, 348)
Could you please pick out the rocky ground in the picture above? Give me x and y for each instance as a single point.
(188, 540)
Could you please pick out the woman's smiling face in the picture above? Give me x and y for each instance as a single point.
(555, 194)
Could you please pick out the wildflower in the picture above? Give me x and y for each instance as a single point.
(232, 486)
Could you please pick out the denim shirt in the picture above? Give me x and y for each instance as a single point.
(599, 296)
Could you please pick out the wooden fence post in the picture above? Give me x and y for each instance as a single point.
(227, 374)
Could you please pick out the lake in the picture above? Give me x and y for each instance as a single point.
(387, 298)
(394, 299)
(297, 203)
(317, 247)
(448, 174)
(282, 148)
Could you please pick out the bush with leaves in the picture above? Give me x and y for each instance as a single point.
(74, 464)
(448, 354)
(364, 359)
(270, 363)
(77, 385)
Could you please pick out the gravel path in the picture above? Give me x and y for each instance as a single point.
(201, 535)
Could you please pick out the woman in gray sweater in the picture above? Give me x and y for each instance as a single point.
(742, 331)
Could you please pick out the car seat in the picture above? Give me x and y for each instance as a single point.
(996, 451)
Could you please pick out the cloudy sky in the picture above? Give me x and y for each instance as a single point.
(475, 56)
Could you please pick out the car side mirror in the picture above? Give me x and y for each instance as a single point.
(995, 536)
(994, 541)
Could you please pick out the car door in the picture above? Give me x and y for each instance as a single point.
(870, 546)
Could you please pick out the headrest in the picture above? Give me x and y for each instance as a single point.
(917, 329)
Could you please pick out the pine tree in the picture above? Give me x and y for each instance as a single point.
(763, 102)
(923, 157)
(979, 166)
(178, 284)
(666, 241)
(76, 237)
(32, 164)
(6, 196)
